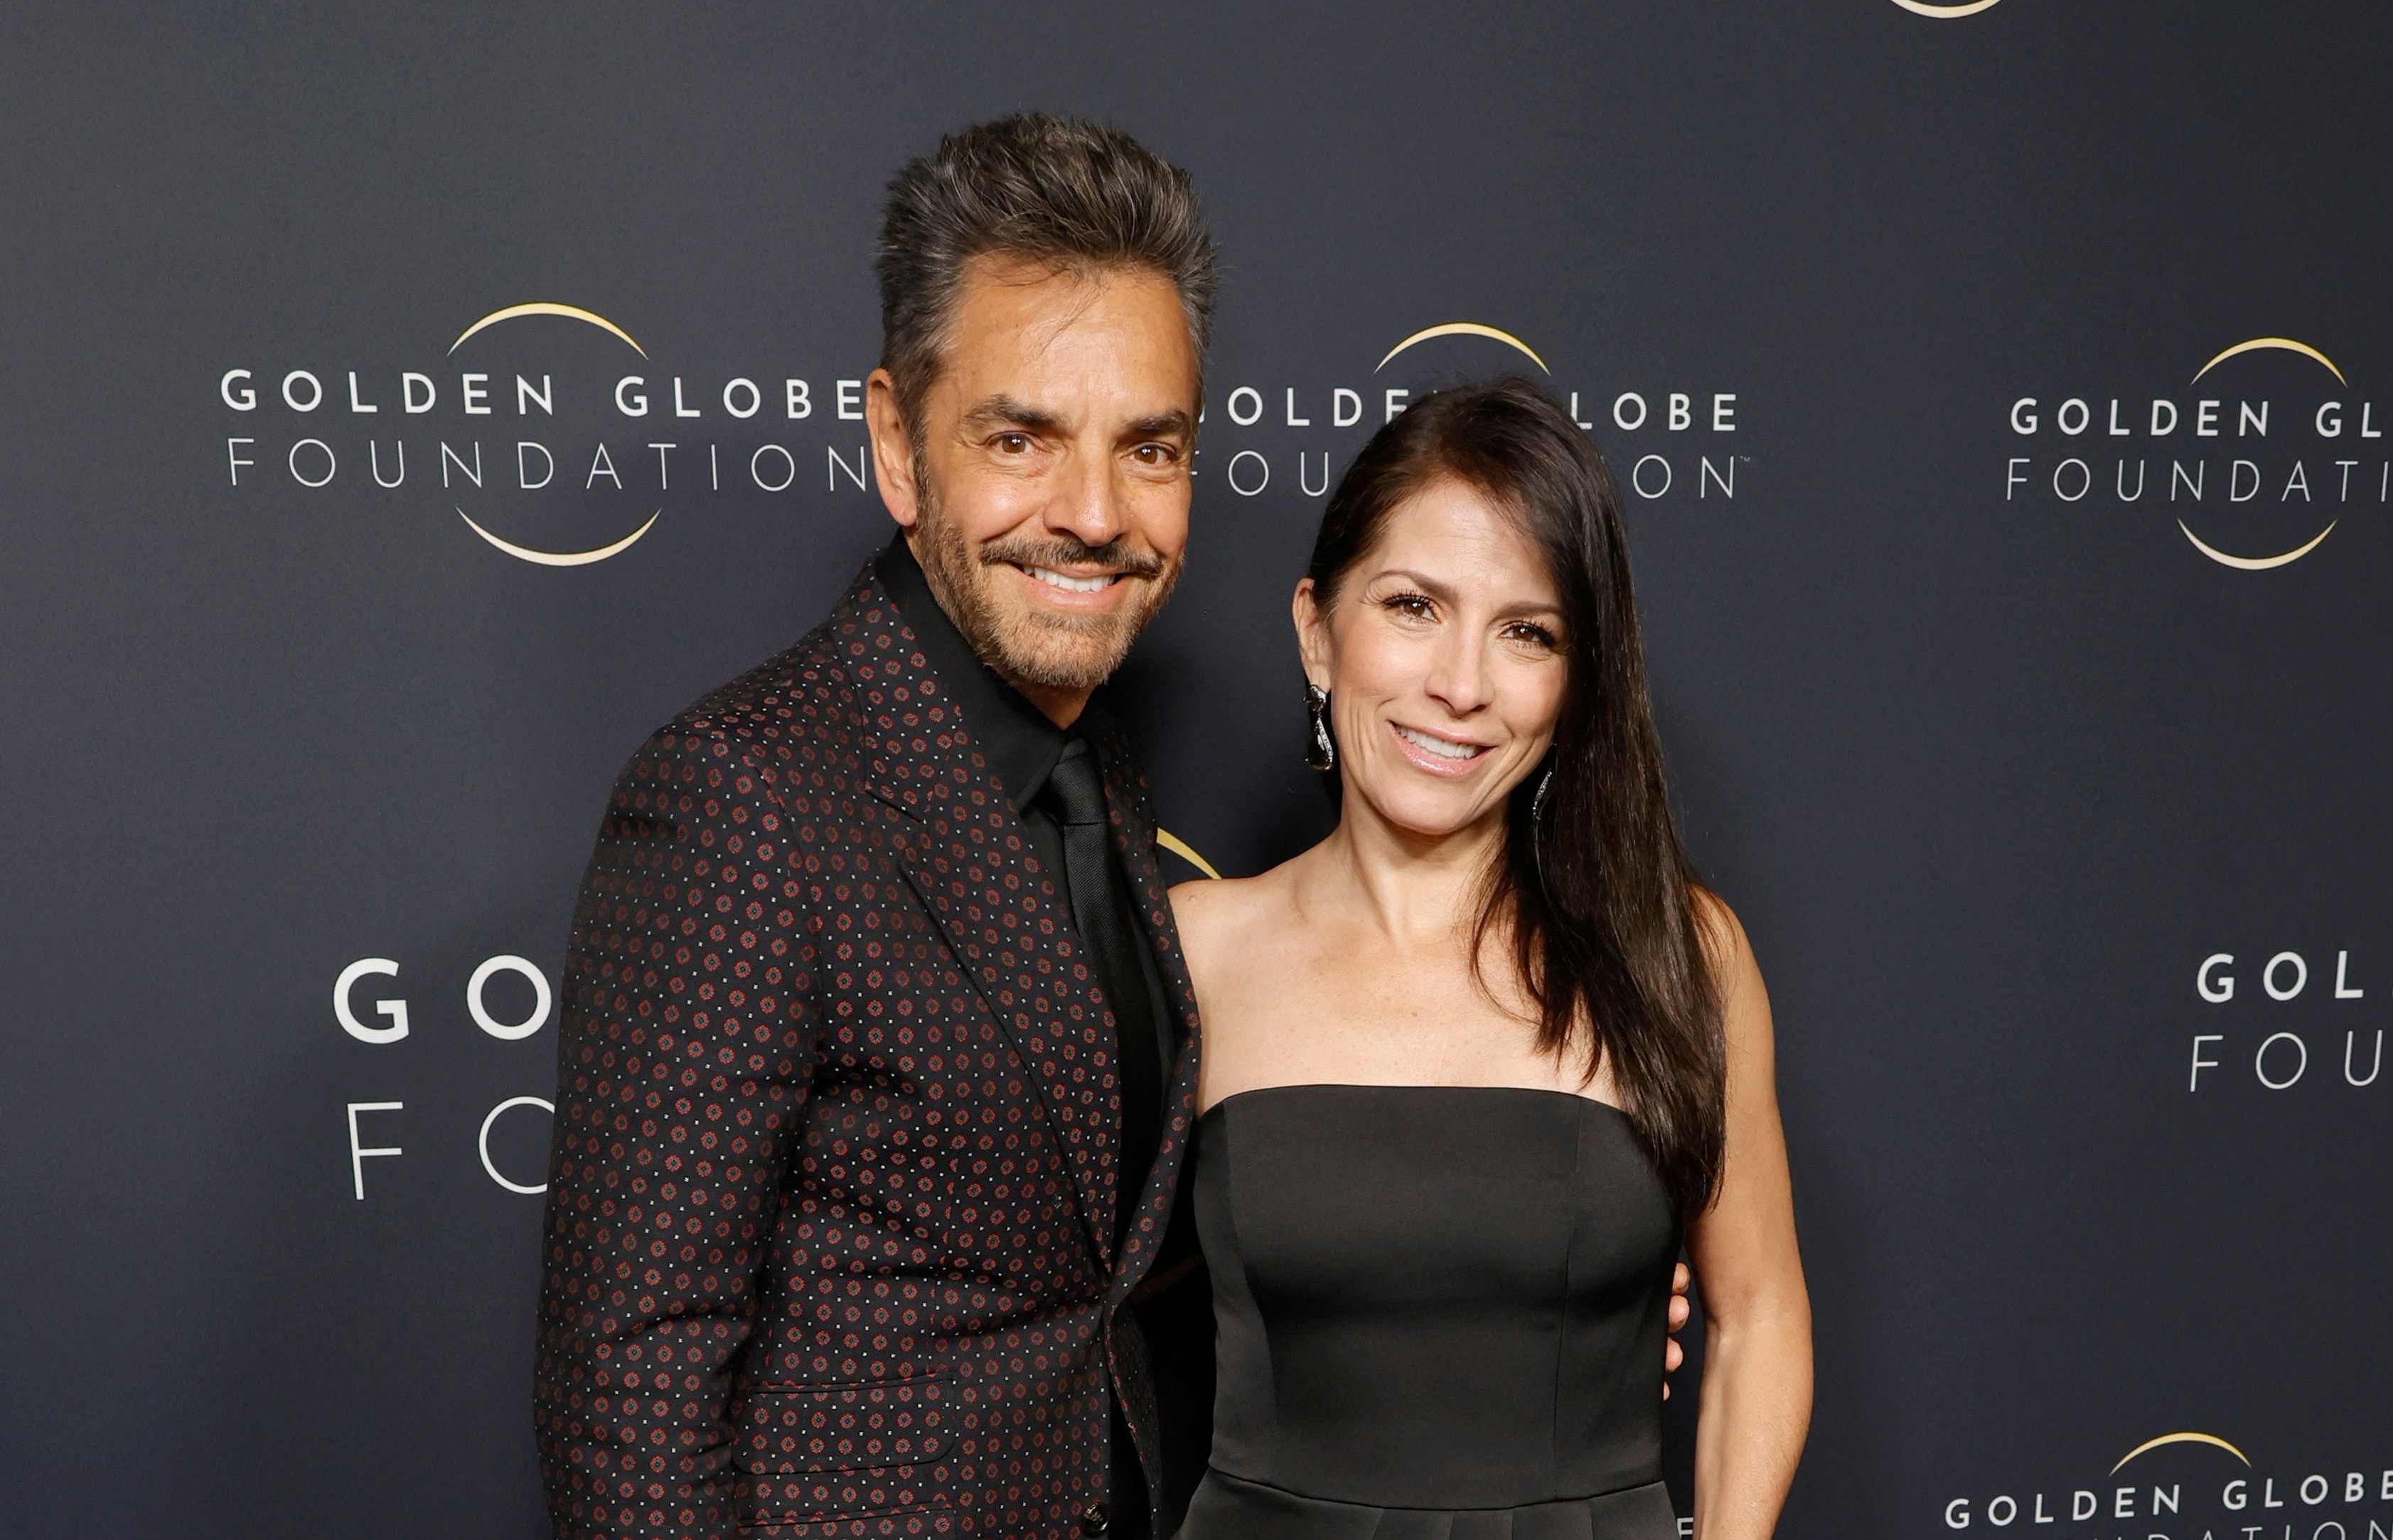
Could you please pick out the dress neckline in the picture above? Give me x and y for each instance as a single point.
(1372, 1085)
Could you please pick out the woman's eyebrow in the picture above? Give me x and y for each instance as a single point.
(1443, 593)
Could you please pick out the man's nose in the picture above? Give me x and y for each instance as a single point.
(1088, 503)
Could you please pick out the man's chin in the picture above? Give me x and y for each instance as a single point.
(1078, 656)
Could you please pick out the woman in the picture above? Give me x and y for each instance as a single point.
(1475, 1062)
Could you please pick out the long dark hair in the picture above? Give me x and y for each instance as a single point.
(1596, 891)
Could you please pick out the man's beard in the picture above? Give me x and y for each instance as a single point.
(1042, 648)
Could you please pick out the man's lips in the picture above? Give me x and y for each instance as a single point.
(1100, 588)
(1068, 580)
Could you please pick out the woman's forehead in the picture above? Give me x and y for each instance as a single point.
(1455, 532)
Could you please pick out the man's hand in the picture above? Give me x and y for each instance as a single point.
(1672, 1354)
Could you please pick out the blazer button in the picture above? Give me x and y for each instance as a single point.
(1094, 1520)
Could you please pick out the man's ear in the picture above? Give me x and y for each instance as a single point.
(893, 451)
(1312, 635)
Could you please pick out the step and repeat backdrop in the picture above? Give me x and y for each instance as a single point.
(408, 411)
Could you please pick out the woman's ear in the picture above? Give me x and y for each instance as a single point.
(1312, 635)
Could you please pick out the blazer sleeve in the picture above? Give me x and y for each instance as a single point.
(685, 1047)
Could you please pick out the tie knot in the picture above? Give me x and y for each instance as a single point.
(1074, 787)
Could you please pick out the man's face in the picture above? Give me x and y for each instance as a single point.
(1047, 496)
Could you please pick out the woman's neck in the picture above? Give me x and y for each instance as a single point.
(1414, 889)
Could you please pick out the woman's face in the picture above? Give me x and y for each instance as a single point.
(1444, 659)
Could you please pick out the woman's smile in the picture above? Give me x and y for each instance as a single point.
(1435, 753)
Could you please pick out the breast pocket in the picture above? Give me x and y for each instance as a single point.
(857, 1450)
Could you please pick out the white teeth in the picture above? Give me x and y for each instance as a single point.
(1440, 747)
(1067, 583)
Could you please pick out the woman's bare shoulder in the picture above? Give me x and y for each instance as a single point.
(1744, 1001)
(1204, 906)
(1217, 916)
(1722, 933)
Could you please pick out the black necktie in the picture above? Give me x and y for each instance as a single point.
(1075, 793)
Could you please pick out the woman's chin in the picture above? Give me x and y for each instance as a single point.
(1419, 814)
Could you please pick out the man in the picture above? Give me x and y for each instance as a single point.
(878, 1055)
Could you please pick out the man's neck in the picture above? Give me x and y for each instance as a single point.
(1061, 707)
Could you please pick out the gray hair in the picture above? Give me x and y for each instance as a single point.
(1060, 191)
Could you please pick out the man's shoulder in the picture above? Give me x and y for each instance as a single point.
(811, 696)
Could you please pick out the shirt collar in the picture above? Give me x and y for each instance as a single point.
(1020, 744)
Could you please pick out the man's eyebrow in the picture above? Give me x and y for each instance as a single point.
(1002, 410)
(1161, 425)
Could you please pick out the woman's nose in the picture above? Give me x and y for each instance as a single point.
(1458, 677)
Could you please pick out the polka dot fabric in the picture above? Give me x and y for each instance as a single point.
(828, 1236)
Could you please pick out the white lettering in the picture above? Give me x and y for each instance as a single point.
(394, 1009)
(314, 391)
(482, 1017)
(359, 1153)
(2260, 1068)
(789, 468)
(294, 457)
(482, 1141)
(1262, 477)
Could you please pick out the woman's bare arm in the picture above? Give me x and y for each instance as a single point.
(1757, 1382)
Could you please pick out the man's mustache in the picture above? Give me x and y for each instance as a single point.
(1070, 556)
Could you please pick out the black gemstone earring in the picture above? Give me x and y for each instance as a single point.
(1319, 752)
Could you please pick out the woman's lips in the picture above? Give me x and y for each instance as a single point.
(1423, 757)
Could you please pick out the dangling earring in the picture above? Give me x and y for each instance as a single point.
(1537, 825)
(1320, 752)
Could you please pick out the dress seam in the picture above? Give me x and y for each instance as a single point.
(1229, 1183)
(1656, 1480)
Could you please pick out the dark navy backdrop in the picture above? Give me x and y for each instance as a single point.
(1993, 759)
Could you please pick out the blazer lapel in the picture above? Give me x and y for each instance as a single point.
(1133, 831)
(967, 858)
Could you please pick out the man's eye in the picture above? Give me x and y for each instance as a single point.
(1156, 454)
(1013, 443)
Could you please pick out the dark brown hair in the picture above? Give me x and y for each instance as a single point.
(1060, 191)
(1596, 892)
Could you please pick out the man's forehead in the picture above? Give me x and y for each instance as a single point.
(1063, 340)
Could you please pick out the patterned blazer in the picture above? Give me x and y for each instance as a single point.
(828, 1246)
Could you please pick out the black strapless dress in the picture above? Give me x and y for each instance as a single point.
(1441, 1313)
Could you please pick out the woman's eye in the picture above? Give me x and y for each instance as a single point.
(1535, 637)
(1415, 606)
